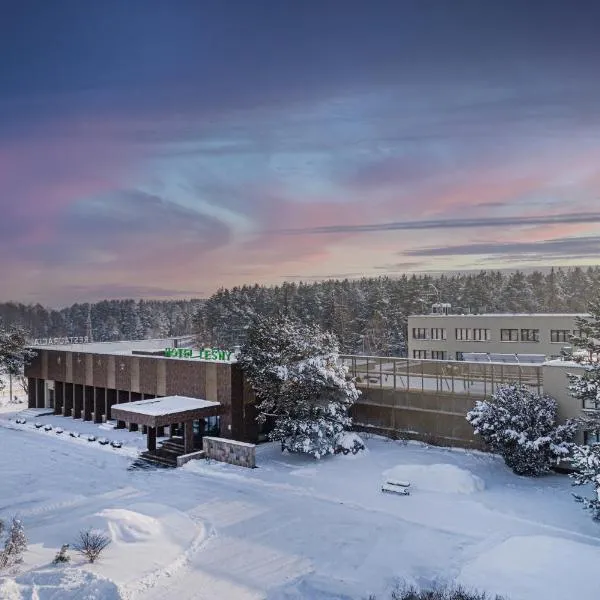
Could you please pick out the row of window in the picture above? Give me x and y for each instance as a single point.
(434, 354)
(483, 335)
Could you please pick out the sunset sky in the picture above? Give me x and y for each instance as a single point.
(167, 148)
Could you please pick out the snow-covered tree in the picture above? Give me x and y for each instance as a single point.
(14, 546)
(588, 338)
(586, 389)
(521, 426)
(586, 461)
(299, 382)
(13, 353)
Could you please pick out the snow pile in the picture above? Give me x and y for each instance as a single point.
(536, 567)
(127, 527)
(54, 583)
(157, 535)
(443, 478)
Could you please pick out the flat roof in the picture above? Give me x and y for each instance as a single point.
(167, 405)
(156, 412)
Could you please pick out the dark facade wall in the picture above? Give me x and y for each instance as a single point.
(56, 366)
(93, 377)
(100, 370)
(185, 378)
(79, 368)
(432, 417)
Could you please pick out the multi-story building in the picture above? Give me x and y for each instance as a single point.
(449, 337)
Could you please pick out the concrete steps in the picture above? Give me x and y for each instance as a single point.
(34, 413)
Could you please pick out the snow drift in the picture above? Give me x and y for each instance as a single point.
(535, 567)
(443, 478)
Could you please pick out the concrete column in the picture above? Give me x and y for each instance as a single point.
(68, 404)
(78, 393)
(59, 397)
(151, 439)
(111, 400)
(40, 394)
(188, 437)
(99, 404)
(88, 402)
(31, 392)
(122, 396)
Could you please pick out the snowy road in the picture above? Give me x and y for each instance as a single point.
(294, 528)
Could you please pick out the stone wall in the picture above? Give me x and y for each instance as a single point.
(230, 451)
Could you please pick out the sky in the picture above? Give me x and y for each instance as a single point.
(167, 148)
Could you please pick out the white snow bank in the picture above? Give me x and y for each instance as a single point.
(536, 567)
(445, 478)
(56, 583)
(145, 539)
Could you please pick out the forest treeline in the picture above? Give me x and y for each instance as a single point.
(110, 319)
(369, 315)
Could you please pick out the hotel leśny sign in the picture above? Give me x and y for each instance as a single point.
(204, 354)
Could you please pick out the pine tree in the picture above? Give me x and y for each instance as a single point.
(521, 427)
(14, 546)
(13, 353)
(299, 382)
(586, 462)
(589, 333)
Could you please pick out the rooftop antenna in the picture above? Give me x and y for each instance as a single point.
(88, 324)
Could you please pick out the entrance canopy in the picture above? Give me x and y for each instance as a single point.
(158, 412)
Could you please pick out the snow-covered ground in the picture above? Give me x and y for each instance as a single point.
(292, 528)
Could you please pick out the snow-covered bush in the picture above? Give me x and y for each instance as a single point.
(348, 442)
(61, 555)
(521, 426)
(299, 383)
(14, 545)
(91, 544)
(586, 462)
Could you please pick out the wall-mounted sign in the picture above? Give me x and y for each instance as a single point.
(59, 341)
(205, 353)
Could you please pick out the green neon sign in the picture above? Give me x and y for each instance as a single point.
(204, 354)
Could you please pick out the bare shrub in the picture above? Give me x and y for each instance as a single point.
(446, 593)
(91, 544)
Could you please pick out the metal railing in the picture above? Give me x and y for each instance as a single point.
(451, 377)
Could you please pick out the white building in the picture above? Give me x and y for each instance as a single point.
(444, 336)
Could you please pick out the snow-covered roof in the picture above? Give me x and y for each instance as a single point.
(167, 405)
(157, 412)
(437, 315)
(125, 347)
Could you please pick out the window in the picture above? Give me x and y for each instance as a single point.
(419, 333)
(481, 335)
(463, 334)
(419, 353)
(438, 333)
(530, 335)
(591, 437)
(459, 356)
(438, 355)
(509, 335)
(560, 335)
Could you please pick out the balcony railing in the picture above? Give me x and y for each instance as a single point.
(447, 376)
